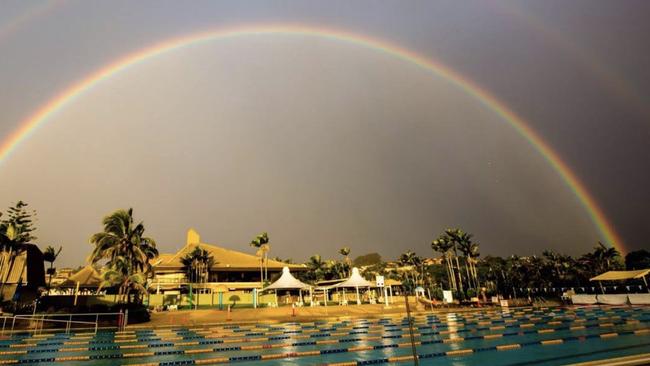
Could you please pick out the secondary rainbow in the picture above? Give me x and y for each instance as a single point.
(70, 94)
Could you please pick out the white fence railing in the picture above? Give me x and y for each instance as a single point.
(62, 321)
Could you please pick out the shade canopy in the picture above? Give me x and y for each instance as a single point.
(621, 275)
(287, 282)
(355, 280)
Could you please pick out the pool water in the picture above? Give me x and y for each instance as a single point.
(489, 337)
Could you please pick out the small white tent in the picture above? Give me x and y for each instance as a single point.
(355, 281)
(286, 282)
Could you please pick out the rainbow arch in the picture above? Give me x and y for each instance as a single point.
(77, 89)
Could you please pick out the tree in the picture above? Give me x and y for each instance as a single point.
(639, 259)
(443, 245)
(608, 256)
(470, 253)
(369, 259)
(49, 255)
(345, 252)
(127, 252)
(22, 220)
(197, 264)
(317, 268)
(412, 266)
(261, 242)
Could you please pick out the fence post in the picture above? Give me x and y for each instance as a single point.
(13, 323)
(96, 322)
(120, 318)
(3, 325)
(126, 318)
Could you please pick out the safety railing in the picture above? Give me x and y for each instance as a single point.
(62, 321)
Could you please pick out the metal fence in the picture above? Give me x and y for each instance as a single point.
(88, 321)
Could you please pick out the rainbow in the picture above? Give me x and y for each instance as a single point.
(77, 89)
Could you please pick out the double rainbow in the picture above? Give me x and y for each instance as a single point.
(73, 92)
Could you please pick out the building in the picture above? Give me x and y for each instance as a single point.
(232, 270)
(24, 275)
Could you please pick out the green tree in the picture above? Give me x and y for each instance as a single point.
(317, 268)
(197, 264)
(345, 252)
(23, 221)
(444, 245)
(261, 242)
(369, 259)
(127, 252)
(638, 259)
(49, 255)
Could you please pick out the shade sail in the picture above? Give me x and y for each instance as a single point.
(287, 282)
(355, 280)
(620, 275)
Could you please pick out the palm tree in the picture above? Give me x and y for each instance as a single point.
(454, 236)
(197, 264)
(261, 242)
(316, 267)
(414, 262)
(443, 246)
(606, 256)
(125, 248)
(127, 283)
(49, 255)
(470, 251)
(345, 252)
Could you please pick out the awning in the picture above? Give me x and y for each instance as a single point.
(621, 275)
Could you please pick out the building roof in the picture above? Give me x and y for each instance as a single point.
(225, 259)
(86, 277)
(287, 282)
(621, 275)
(29, 255)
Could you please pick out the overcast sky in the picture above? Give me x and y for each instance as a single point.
(324, 143)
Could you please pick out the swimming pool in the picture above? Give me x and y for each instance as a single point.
(491, 337)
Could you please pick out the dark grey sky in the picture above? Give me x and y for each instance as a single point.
(325, 144)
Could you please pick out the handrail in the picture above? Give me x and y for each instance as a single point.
(42, 318)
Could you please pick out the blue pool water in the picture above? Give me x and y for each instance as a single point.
(532, 336)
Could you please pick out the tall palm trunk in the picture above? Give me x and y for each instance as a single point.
(266, 266)
(460, 276)
(469, 278)
(450, 271)
(49, 280)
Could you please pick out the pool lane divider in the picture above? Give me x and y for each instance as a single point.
(205, 341)
(217, 360)
(133, 337)
(168, 342)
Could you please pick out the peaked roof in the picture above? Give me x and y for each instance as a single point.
(287, 282)
(620, 275)
(355, 280)
(224, 258)
(86, 277)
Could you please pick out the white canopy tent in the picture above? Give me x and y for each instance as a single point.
(287, 282)
(355, 281)
(621, 276)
